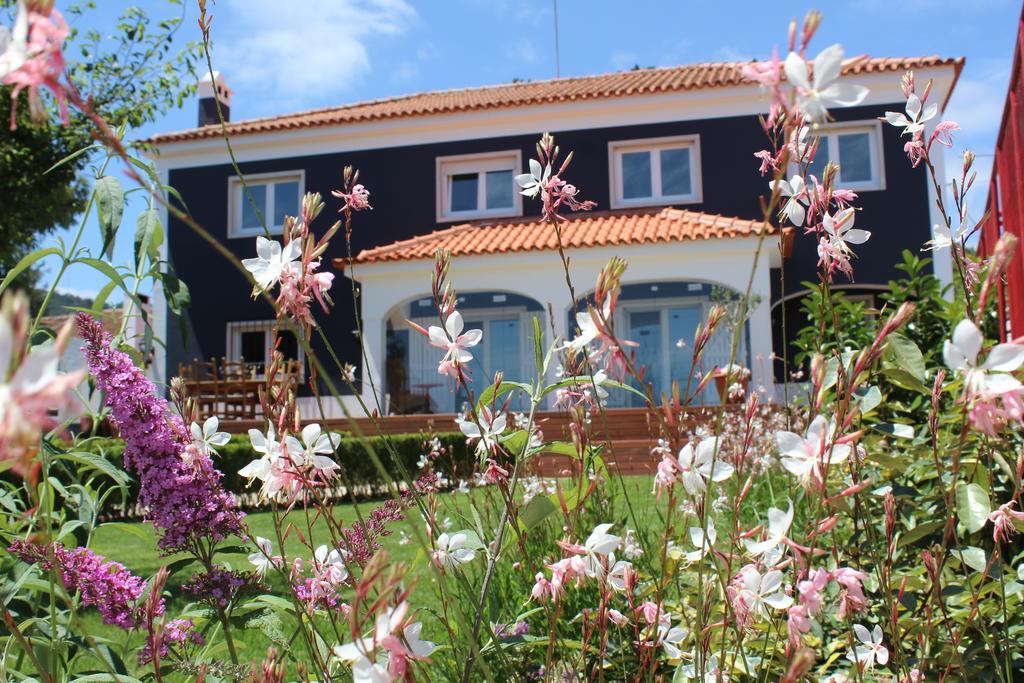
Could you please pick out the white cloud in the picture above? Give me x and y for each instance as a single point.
(523, 52)
(730, 53)
(300, 52)
(623, 59)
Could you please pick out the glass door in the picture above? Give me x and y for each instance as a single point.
(682, 325)
(645, 328)
(500, 349)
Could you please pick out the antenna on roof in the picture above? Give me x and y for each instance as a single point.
(558, 65)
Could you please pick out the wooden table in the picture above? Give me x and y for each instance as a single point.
(229, 399)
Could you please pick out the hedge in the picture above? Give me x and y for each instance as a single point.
(352, 456)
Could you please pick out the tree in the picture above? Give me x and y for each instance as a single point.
(134, 74)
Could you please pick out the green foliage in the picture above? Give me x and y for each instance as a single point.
(134, 71)
(357, 468)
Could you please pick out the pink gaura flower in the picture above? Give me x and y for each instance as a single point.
(32, 59)
(1003, 521)
(356, 200)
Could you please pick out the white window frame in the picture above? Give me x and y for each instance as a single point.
(829, 135)
(653, 145)
(477, 163)
(237, 195)
(234, 330)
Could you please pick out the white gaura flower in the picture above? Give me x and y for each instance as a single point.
(600, 542)
(671, 638)
(814, 97)
(263, 559)
(314, 449)
(207, 436)
(704, 542)
(330, 563)
(453, 550)
(711, 671)
(269, 448)
(271, 261)
(761, 592)
(991, 378)
(492, 425)
(414, 644)
(803, 456)
(588, 328)
(795, 190)
(840, 231)
(700, 464)
(943, 238)
(778, 526)
(14, 42)
(534, 181)
(870, 650)
(914, 120)
(451, 338)
(617, 573)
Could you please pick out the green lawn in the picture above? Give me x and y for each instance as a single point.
(134, 545)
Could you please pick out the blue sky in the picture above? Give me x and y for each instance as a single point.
(281, 56)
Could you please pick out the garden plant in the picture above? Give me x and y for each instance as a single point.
(865, 528)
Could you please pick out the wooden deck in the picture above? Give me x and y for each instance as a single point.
(630, 444)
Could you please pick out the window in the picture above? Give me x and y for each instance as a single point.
(478, 186)
(275, 196)
(857, 149)
(655, 171)
(251, 341)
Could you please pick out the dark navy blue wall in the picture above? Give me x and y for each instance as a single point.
(403, 191)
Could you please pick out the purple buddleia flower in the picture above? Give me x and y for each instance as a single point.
(107, 586)
(185, 501)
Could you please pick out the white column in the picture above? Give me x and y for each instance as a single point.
(760, 323)
(373, 358)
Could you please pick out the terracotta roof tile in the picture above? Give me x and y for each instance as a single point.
(620, 84)
(597, 229)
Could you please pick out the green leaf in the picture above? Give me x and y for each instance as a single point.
(904, 354)
(972, 557)
(920, 531)
(488, 395)
(175, 293)
(972, 505)
(905, 380)
(106, 678)
(25, 263)
(870, 399)
(149, 235)
(537, 510)
(538, 351)
(98, 463)
(110, 203)
(898, 430)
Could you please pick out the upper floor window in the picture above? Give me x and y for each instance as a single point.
(478, 186)
(252, 342)
(857, 149)
(271, 196)
(655, 171)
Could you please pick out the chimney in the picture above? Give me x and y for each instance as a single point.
(211, 88)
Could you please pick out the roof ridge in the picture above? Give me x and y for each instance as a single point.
(726, 74)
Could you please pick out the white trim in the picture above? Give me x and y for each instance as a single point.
(617, 148)
(608, 112)
(233, 341)
(539, 276)
(830, 135)
(160, 373)
(236, 195)
(481, 163)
